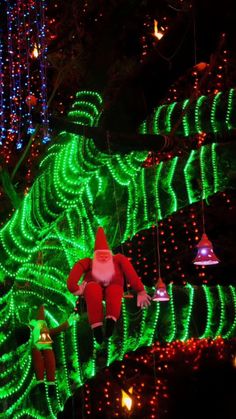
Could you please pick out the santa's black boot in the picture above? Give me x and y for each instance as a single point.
(98, 334)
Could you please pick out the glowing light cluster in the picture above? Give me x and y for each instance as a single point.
(24, 28)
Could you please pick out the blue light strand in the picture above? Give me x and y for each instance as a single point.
(42, 60)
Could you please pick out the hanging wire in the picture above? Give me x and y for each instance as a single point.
(201, 187)
(160, 293)
(203, 215)
(127, 294)
(158, 249)
(115, 196)
(155, 252)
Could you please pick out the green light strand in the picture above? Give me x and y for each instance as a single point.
(142, 336)
(209, 308)
(172, 315)
(222, 312)
(187, 174)
(49, 404)
(145, 202)
(155, 321)
(215, 103)
(198, 121)
(215, 169)
(156, 119)
(187, 316)
(233, 326)
(229, 109)
(186, 125)
(168, 184)
(125, 331)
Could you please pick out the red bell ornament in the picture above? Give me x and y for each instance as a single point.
(161, 293)
(205, 253)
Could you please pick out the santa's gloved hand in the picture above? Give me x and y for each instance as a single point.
(81, 288)
(74, 317)
(143, 299)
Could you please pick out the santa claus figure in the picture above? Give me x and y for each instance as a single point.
(104, 277)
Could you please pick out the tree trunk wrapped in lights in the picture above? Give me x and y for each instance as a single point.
(160, 131)
(77, 180)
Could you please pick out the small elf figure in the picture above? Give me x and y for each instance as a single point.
(42, 351)
(104, 279)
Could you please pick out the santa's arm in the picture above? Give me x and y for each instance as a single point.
(76, 272)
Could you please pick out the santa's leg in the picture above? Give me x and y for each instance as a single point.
(38, 364)
(93, 295)
(113, 296)
(50, 365)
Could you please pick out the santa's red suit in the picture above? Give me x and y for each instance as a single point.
(104, 279)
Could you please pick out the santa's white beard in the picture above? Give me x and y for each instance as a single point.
(103, 271)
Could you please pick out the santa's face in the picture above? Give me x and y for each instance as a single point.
(103, 267)
(102, 256)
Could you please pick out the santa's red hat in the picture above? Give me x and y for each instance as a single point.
(101, 240)
(40, 315)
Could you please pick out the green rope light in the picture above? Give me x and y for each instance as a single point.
(145, 201)
(156, 119)
(188, 176)
(186, 322)
(169, 112)
(213, 111)
(28, 413)
(185, 119)
(49, 405)
(195, 118)
(214, 166)
(125, 331)
(230, 108)
(142, 335)
(233, 326)
(172, 335)
(209, 305)
(127, 232)
(197, 121)
(222, 312)
(206, 175)
(169, 188)
(8, 412)
(154, 324)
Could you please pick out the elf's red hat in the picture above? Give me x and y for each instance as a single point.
(40, 315)
(101, 240)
